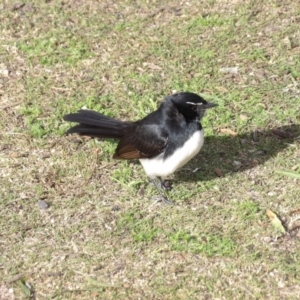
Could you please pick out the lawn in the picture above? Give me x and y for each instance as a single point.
(76, 224)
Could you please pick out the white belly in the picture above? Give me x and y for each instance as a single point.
(159, 167)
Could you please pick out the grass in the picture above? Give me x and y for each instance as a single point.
(102, 235)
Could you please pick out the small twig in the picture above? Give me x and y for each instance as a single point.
(245, 289)
(16, 278)
(13, 201)
(109, 164)
(60, 88)
(15, 133)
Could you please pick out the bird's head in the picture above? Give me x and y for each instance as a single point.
(190, 105)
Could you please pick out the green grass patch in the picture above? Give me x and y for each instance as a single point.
(208, 244)
(55, 48)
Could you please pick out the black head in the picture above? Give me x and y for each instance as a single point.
(190, 105)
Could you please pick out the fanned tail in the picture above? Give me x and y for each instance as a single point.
(94, 124)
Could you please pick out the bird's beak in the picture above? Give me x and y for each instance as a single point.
(210, 105)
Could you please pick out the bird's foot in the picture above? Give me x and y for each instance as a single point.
(162, 199)
(166, 185)
(158, 184)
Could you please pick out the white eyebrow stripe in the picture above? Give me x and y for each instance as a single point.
(192, 103)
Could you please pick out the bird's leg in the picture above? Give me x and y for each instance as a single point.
(165, 184)
(158, 187)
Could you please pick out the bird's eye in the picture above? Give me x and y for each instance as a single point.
(195, 108)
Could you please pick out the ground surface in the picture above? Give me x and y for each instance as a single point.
(101, 236)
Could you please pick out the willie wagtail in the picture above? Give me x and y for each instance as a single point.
(163, 141)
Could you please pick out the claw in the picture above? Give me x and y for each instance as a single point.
(159, 187)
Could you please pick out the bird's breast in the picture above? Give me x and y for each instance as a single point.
(161, 166)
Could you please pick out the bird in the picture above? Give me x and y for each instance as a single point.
(163, 141)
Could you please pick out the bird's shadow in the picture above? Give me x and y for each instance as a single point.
(222, 155)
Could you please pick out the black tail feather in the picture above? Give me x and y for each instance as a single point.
(94, 124)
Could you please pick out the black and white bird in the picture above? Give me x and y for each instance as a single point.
(163, 141)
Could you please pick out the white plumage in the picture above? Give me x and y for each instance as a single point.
(157, 166)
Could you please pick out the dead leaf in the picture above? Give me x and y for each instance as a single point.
(228, 131)
(275, 221)
(219, 172)
(294, 168)
(281, 133)
(14, 155)
(270, 214)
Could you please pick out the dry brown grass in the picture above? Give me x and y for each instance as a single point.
(102, 237)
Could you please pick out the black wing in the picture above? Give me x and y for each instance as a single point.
(143, 141)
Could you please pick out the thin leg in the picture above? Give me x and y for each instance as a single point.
(158, 187)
